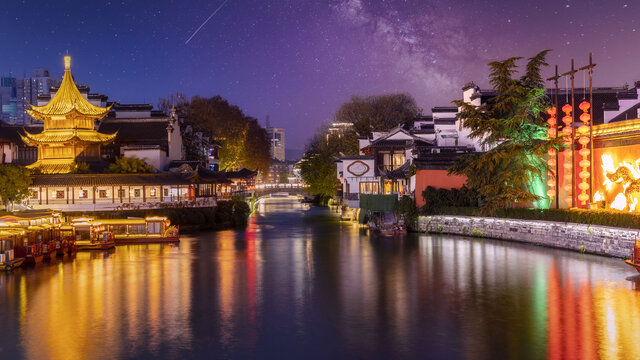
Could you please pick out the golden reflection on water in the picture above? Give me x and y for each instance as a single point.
(485, 299)
(97, 308)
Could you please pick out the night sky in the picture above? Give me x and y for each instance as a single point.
(298, 60)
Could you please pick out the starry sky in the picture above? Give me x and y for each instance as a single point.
(298, 60)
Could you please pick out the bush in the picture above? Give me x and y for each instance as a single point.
(240, 213)
(608, 217)
(407, 209)
(437, 199)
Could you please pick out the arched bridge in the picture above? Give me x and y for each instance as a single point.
(292, 189)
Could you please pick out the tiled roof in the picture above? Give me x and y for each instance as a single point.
(108, 179)
(137, 131)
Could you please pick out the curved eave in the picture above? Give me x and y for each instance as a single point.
(95, 138)
(36, 114)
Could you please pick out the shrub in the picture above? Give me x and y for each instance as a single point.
(604, 217)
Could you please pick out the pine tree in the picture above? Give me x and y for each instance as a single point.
(511, 128)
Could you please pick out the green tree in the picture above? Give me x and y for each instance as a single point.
(244, 141)
(80, 167)
(511, 128)
(14, 184)
(317, 166)
(378, 112)
(130, 165)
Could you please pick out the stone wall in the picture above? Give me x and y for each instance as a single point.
(601, 240)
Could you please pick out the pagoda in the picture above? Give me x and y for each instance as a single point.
(69, 134)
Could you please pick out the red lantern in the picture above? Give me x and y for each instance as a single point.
(567, 130)
(584, 140)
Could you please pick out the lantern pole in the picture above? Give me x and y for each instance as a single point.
(557, 106)
(573, 134)
(590, 68)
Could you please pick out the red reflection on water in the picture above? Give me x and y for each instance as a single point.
(570, 318)
(251, 273)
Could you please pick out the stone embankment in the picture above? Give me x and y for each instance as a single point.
(601, 240)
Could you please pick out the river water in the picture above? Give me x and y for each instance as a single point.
(299, 284)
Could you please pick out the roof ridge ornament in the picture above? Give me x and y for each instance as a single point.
(67, 63)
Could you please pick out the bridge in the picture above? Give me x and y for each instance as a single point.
(292, 189)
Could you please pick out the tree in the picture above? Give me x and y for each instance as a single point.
(511, 127)
(130, 165)
(317, 166)
(80, 167)
(244, 142)
(378, 112)
(14, 184)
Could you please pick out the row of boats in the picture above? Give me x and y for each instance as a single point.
(30, 237)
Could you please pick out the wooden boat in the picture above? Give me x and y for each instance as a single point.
(68, 239)
(92, 235)
(635, 256)
(154, 229)
(11, 264)
(34, 254)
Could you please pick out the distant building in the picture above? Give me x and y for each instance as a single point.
(17, 93)
(276, 137)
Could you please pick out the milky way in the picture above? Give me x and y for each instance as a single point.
(296, 61)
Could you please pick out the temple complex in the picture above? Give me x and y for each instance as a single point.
(69, 134)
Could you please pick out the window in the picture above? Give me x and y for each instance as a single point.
(369, 188)
(137, 229)
(152, 192)
(103, 194)
(154, 227)
(59, 194)
(166, 192)
(83, 194)
(33, 194)
(136, 193)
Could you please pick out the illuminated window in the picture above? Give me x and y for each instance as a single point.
(121, 193)
(83, 194)
(369, 188)
(33, 194)
(103, 194)
(152, 192)
(59, 194)
(134, 192)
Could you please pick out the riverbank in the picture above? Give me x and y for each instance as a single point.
(594, 239)
(226, 215)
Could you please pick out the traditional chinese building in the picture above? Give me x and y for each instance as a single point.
(68, 134)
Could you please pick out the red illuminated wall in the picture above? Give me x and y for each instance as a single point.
(437, 179)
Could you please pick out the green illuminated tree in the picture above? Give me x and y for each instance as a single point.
(511, 128)
(14, 184)
(130, 165)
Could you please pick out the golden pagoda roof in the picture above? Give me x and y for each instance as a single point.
(66, 135)
(53, 166)
(68, 101)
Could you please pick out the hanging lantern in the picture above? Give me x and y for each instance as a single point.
(584, 129)
(567, 130)
(552, 121)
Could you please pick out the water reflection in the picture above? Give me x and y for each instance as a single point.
(297, 283)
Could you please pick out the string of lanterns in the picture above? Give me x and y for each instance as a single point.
(568, 142)
(552, 121)
(583, 132)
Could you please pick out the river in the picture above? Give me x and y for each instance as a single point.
(298, 284)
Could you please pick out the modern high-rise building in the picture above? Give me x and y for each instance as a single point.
(276, 137)
(17, 93)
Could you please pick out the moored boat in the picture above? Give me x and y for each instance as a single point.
(155, 229)
(92, 235)
(635, 256)
(13, 264)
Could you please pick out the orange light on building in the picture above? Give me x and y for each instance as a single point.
(552, 121)
(568, 143)
(583, 132)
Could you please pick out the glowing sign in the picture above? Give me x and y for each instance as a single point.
(357, 168)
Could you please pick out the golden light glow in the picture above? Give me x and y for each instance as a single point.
(69, 128)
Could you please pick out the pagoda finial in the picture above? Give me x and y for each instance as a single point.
(67, 62)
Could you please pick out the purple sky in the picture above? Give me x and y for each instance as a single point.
(297, 60)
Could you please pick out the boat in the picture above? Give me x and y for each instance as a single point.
(92, 235)
(155, 229)
(68, 240)
(9, 265)
(385, 224)
(635, 256)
